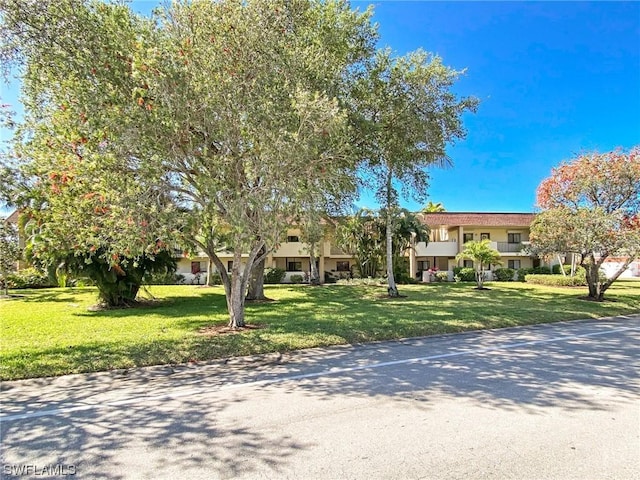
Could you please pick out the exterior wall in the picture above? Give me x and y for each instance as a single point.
(446, 241)
(437, 249)
(610, 267)
(281, 262)
(330, 264)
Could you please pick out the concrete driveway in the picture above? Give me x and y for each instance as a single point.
(551, 401)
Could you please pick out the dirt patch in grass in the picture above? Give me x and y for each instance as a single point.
(138, 303)
(591, 299)
(216, 330)
(254, 301)
(385, 296)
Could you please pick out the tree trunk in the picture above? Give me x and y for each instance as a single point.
(604, 286)
(480, 278)
(256, 281)
(593, 280)
(393, 288)
(235, 302)
(6, 283)
(210, 273)
(235, 285)
(564, 274)
(314, 276)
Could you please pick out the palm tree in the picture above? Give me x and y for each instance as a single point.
(433, 207)
(407, 227)
(362, 235)
(482, 254)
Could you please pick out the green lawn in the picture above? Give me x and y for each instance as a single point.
(51, 332)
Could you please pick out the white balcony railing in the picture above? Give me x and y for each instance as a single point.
(437, 249)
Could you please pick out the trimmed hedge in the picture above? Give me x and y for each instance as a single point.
(504, 274)
(28, 278)
(555, 280)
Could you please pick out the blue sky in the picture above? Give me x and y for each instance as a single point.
(554, 79)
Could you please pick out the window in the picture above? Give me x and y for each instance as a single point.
(485, 236)
(229, 265)
(423, 265)
(195, 268)
(342, 266)
(467, 264)
(293, 238)
(514, 237)
(294, 266)
(514, 264)
(467, 237)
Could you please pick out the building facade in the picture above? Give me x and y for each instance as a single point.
(508, 233)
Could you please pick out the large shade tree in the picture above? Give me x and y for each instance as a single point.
(591, 208)
(229, 109)
(407, 114)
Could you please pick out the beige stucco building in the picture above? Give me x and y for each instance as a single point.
(508, 233)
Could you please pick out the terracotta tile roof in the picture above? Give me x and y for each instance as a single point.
(453, 219)
(13, 218)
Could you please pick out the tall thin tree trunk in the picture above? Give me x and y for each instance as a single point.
(480, 277)
(564, 274)
(6, 283)
(393, 288)
(210, 272)
(313, 274)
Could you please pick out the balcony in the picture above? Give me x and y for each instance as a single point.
(506, 247)
(437, 249)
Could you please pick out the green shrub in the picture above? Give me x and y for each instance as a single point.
(329, 277)
(165, 278)
(467, 274)
(296, 278)
(522, 273)
(556, 269)
(273, 276)
(504, 274)
(401, 271)
(442, 276)
(28, 278)
(555, 280)
(541, 270)
(216, 278)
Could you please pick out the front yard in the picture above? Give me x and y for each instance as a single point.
(51, 332)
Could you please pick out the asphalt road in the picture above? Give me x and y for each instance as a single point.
(552, 401)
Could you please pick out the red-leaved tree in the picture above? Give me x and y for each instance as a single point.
(590, 207)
